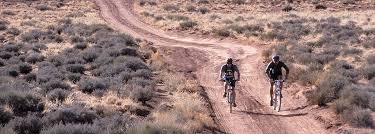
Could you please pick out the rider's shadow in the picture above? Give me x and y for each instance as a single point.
(271, 114)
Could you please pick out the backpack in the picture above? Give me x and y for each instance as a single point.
(229, 71)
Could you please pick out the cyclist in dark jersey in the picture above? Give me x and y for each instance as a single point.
(274, 72)
(227, 73)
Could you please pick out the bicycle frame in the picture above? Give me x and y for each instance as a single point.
(230, 95)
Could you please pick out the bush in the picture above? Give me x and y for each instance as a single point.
(47, 73)
(328, 88)
(90, 55)
(369, 71)
(27, 125)
(21, 103)
(80, 46)
(8, 12)
(73, 129)
(56, 60)
(222, 32)
(3, 27)
(30, 77)
(203, 2)
(371, 59)
(203, 10)
(353, 51)
(190, 8)
(359, 117)
(77, 39)
(58, 94)
(12, 72)
(178, 17)
(74, 77)
(13, 31)
(32, 36)
(90, 85)
(37, 47)
(5, 116)
(34, 57)
(187, 25)
(5, 55)
(142, 94)
(144, 2)
(369, 43)
(55, 84)
(75, 68)
(320, 6)
(287, 8)
(25, 68)
(129, 52)
(170, 7)
(239, 2)
(75, 114)
(43, 7)
(2, 62)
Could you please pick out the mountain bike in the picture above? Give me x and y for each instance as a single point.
(277, 95)
(230, 93)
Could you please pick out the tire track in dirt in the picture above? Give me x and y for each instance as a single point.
(253, 114)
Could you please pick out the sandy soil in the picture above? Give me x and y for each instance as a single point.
(253, 114)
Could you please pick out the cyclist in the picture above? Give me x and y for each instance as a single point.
(274, 72)
(226, 74)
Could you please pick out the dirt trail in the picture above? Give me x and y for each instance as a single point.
(253, 114)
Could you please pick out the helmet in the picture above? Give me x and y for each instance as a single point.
(229, 61)
(276, 58)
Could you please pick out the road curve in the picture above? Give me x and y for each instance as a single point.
(253, 114)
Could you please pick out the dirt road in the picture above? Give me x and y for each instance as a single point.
(253, 113)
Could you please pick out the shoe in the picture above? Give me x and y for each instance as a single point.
(234, 105)
(225, 95)
(271, 103)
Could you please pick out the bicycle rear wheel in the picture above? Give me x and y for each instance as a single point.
(278, 100)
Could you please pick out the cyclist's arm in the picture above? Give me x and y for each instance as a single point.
(268, 70)
(287, 70)
(221, 72)
(238, 73)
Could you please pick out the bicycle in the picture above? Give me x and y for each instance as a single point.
(230, 96)
(277, 95)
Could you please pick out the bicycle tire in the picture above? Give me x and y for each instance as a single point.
(230, 100)
(279, 102)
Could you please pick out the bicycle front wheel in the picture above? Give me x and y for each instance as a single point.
(278, 100)
(230, 100)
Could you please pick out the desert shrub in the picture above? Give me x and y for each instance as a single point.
(239, 2)
(37, 47)
(55, 84)
(80, 45)
(5, 55)
(58, 94)
(203, 1)
(252, 29)
(43, 7)
(115, 52)
(320, 6)
(371, 59)
(369, 71)
(75, 60)
(149, 128)
(149, 2)
(203, 10)
(190, 8)
(8, 12)
(129, 51)
(12, 72)
(5, 116)
(188, 24)
(352, 51)
(90, 85)
(287, 8)
(74, 77)
(21, 102)
(142, 94)
(75, 114)
(75, 68)
(2, 62)
(76, 39)
(369, 43)
(25, 68)
(358, 117)
(30, 77)
(13, 31)
(32, 36)
(113, 40)
(178, 17)
(11, 48)
(34, 57)
(170, 7)
(47, 73)
(222, 32)
(56, 60)
(73, 129)
(27, 125)
(3, 26)
(328, 88)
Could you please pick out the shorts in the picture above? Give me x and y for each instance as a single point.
(276, 77)
(230, 80)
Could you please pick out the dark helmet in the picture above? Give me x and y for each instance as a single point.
(276, 58)
(229, 61)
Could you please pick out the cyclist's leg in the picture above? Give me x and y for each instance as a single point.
(271, 92)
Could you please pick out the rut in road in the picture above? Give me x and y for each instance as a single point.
(253, 113)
